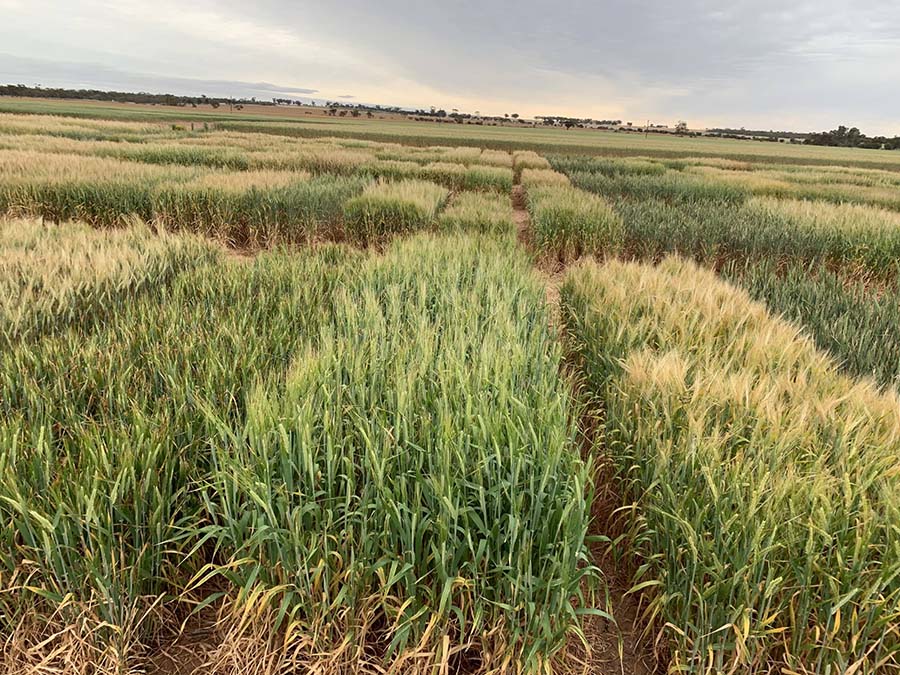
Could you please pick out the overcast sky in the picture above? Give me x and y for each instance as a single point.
(800, 65)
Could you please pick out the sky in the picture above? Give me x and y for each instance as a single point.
(767, 64)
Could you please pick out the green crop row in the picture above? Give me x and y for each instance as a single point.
(567, 223)
(357, 459)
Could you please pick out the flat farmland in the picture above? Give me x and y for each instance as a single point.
(391, 127)
(357, 396)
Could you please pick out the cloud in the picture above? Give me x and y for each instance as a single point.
(811, 64)
(99, 76)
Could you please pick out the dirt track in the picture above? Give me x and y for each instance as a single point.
(605, 639)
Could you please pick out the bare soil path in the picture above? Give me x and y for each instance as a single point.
(613, 648)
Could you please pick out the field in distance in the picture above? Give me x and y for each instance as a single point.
(396, 128)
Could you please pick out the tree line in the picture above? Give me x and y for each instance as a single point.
(125, 96)
(842, 137)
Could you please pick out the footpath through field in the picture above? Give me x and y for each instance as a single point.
(619, 647)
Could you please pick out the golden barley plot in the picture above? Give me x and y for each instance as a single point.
(53, 275)
(761, 486)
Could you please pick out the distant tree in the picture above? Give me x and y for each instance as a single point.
(852, 138)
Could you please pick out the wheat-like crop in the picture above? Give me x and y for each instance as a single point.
(761, 485)
(388, 208)
(567, 223)
(481, 213)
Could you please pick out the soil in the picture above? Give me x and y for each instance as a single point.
(612, 647)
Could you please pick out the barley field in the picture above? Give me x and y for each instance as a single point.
(376, 397)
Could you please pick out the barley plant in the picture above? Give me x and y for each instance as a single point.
(247, 208)
(178, 153)
(479, 213)
(853, 319)
(54, 275)
(528, 159)
(462, 155)
(868, 236)
(79, 129)
(389, 208)
(691, 179)
(448, 174)
(394, 169)
(413, 473)
(531, 178)
(760, 485)
(567, 223)
(611, 167)
(256, 209)
(338, 460)
(403, 420)
(104, 442)
(716, 223)
(496, 158)
(479, 177)
(672, 186)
